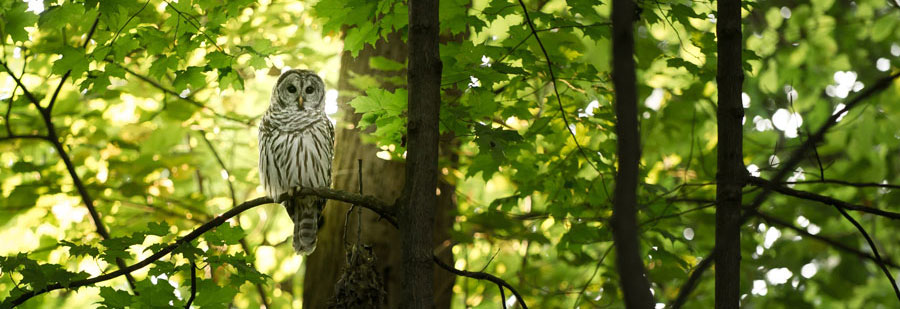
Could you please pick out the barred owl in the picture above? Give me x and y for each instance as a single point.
(296, 143)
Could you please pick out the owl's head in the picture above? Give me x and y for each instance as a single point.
(298, 90)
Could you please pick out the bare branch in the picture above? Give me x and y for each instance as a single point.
(218, 220)
(788, 167)
(843, 183)
(692, 281)
(799, 153)
(481, 276)
(372, 203)
(30, 136)
(193, 285)
(834, 243)
(19, 83)
(821, 198)
(874, 248)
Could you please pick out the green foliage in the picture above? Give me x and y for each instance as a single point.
(523, 183)
(533, 209)
(152, 76)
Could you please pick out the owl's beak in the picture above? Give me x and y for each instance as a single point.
(300, 100)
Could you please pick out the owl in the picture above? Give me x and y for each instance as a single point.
(296, 147)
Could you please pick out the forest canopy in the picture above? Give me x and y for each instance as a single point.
(130, 135)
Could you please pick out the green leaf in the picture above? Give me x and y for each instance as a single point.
(681, 63)
(192, 76)
(224, 235)
(72, 59)
(161, 65)
(113, 298)
(162, 267)
(358, 37)
(80, 250)
(14, 21)
(219, 60)
(211, 295)
(160, 228)
(161, 294)
(58, 16)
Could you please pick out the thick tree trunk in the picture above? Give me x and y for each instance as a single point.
(419, 201)
(382, 179)
(629, 262)
(730, 163)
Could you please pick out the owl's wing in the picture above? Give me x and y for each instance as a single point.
(292, 159)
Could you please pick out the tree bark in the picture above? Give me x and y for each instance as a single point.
(419, 201)
(731, 171)
(629, 263)
(382, 179)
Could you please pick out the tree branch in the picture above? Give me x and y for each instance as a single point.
(15, 137)
(370, 202)
(799, 153)
(244, 245)
(843, 183)
(692, 281)
(157, 85)
(766, 184)
(874, 248)
(87, 39)
(19, 83)
(792, 162)
(481, 276)
(12, 96)
(193, 285)
(218, 220)
(562, 111)
(834, 243)
(57, 145)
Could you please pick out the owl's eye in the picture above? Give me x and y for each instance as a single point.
(292, 89)
(309, 90)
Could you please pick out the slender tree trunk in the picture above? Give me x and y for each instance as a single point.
(730, 176)
(382, 179)
(420, 199)
(629, 262)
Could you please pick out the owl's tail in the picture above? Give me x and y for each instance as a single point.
(306, 213)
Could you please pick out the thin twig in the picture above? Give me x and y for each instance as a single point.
(193, 285)
(481, 276)
(359, 211)
(821, 198)
(28, 94)
(594, 274)
(692, 281)
(834, 243)
(843, 183)
(788, 167)
(157, 85)
(12, 96)
(874, 248)
(244, 245)
(372, 203)
(502, 296)
(221, 165)
(87, 39)
(562, 111)
(189, 20)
